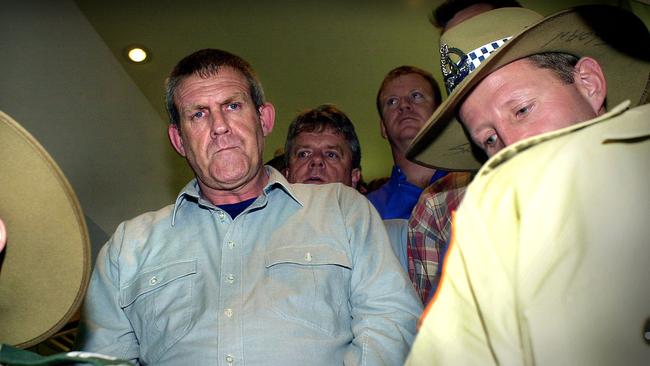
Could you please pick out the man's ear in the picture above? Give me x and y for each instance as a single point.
(176, 139)
(267, 118)
(383, 129)
(590, 80)
(287, 173)
(356, 176)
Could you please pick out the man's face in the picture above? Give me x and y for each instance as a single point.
(407, 102)
(221, 134)
(521, 100)
(321, 157)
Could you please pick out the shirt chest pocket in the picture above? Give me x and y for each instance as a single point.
(310, 285)
(159, 303)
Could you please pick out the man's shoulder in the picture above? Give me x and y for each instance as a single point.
(380, 192)
(324, 192)
(451, 181)
(149, 219)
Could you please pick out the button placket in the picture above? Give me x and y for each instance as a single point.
(221, 215)
(230, 290)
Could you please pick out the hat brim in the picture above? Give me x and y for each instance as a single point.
(46, 265)
(601, 32)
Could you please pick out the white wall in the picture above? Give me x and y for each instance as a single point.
(60, 81)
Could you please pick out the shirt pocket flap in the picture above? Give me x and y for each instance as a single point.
(154, 279)
(311, 255)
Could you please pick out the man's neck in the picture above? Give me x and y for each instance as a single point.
(415, 174)
(227, 196)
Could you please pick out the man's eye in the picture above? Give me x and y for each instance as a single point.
(198, 114)
(390, 102)
(332, 155)
(302, 154)
(491, 140)
(233, 106)
(417, 96)
(523, 111)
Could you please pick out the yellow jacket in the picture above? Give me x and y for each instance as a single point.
(550, 256)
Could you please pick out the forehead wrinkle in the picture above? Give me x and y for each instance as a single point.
(340, 147)
(237, 96)
(193, 107)
(228, 99)
(311, 145)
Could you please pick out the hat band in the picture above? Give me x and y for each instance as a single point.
(454, 73)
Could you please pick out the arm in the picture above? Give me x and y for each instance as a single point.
(452, 331)
(383, 303)
(104, 326)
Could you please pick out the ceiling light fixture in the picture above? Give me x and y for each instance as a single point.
(137, 54)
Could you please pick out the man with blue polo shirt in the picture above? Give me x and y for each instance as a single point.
(406, 99)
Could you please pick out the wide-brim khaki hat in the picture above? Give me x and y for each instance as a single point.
(470, 51)
(46, 264)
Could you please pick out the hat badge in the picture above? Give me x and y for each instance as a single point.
(455, 72)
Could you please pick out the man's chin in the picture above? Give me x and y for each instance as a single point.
(409, 133)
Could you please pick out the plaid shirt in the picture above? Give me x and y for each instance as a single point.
(429, 231)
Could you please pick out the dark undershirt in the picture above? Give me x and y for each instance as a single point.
(234, 209)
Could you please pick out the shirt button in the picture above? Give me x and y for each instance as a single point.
(230, 278)
(231, 244)
(228, 312)
(153, 280)
(308, 257)
(221, 215)
(230, 359)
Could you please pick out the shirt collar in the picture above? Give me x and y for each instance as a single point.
(514, 149)
(397, 176)
(191, 191)
(277, 180)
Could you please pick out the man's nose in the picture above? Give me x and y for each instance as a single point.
(218, 125)
(508, 136)
(316, 161)
(405, 103)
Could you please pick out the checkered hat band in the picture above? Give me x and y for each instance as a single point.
(478, 55)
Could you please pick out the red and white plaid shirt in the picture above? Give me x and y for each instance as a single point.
(429, 230)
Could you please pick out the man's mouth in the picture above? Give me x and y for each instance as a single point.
(225, 148)
(408, 118)
(314, 180)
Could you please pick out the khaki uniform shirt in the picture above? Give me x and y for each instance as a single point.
(550, 256)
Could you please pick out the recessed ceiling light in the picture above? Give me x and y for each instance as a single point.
(137, 54)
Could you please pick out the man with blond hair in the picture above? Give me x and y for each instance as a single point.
(549, 256)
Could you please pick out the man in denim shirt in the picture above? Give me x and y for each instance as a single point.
(246, 268)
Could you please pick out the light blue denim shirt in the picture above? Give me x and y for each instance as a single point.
(304, 276)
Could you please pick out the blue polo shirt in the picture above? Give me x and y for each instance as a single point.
(397, 197)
